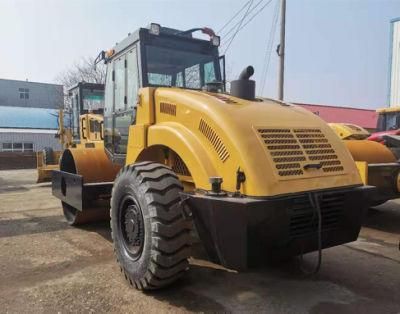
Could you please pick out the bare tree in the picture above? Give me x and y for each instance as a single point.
(83, 70)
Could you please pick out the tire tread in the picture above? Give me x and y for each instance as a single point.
(171, 238)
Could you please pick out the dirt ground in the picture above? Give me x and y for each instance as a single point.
(47, 266)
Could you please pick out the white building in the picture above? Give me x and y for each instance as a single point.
(394, 64)
(28, 115)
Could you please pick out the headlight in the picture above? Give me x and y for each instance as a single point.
(215, 40)
(155, 29)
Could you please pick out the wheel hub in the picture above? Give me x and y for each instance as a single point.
(132, 224)
(132, 229)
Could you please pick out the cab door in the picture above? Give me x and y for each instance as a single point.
(122, 84)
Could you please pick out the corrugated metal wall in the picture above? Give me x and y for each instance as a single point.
(39, 140)
(10, 161)
(394, 95)
(40, 95)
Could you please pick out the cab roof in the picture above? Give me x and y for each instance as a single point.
(143, 33)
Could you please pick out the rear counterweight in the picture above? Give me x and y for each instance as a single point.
(242, 232)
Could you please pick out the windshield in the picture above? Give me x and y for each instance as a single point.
(170, 67)
(389, 121)
(92, 99)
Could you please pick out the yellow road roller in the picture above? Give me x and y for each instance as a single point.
(258, 179)
(377, 164)
(80, 125)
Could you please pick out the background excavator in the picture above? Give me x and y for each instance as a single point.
(257, 178)
(81, 124)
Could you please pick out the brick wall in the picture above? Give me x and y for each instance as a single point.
(15, 160)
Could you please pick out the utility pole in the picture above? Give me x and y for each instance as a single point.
(281, 52)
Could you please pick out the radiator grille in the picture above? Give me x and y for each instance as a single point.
(304, 219)
(168, 108)
(214, 139)
(292, 149)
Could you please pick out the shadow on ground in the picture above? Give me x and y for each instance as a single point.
(31, 225)
(384, 218)
(102, 228)
(14, 189)
(211, 288)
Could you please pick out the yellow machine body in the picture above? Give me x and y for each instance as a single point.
(89, 153)
(376, 163)
(90, 135)
(348, 131)
(91, 130)
(44, 170)
(387, 110)
(259, 178)
(91, 163)
(215, 135)
(369, 151)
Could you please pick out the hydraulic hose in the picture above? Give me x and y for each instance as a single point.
(315, 203)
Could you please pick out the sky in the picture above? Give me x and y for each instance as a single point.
(337, 51)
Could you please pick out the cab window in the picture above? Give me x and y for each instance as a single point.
(120, 115)
(119, 83)
(109, 108)
(132, 78)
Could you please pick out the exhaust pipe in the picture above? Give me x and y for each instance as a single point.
(244, 87)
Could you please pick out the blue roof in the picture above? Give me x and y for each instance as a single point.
(31, 118)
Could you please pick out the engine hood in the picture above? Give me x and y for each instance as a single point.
(281, 148)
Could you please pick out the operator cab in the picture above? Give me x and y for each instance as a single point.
(84, 98)
(155, 57)
(388, 119)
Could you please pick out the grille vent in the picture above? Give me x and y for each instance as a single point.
(214, 139)
(291, 149)
(178, 166)
(168, 108)
(304, 221)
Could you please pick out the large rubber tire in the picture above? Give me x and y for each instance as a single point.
(48, 156)
(76, 217)
(150, 192)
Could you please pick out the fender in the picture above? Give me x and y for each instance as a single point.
(183, 142)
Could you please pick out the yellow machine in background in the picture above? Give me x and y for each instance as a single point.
(79, 126)
(377, 164)
(260, 179)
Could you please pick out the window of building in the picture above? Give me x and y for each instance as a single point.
(6, 147)
(16, 147)
(23, 93)
(28, 147)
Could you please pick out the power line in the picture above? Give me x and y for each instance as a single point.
(236, 24)
(240, 24)
(231, 19)
(249, 20)
(268, 53)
